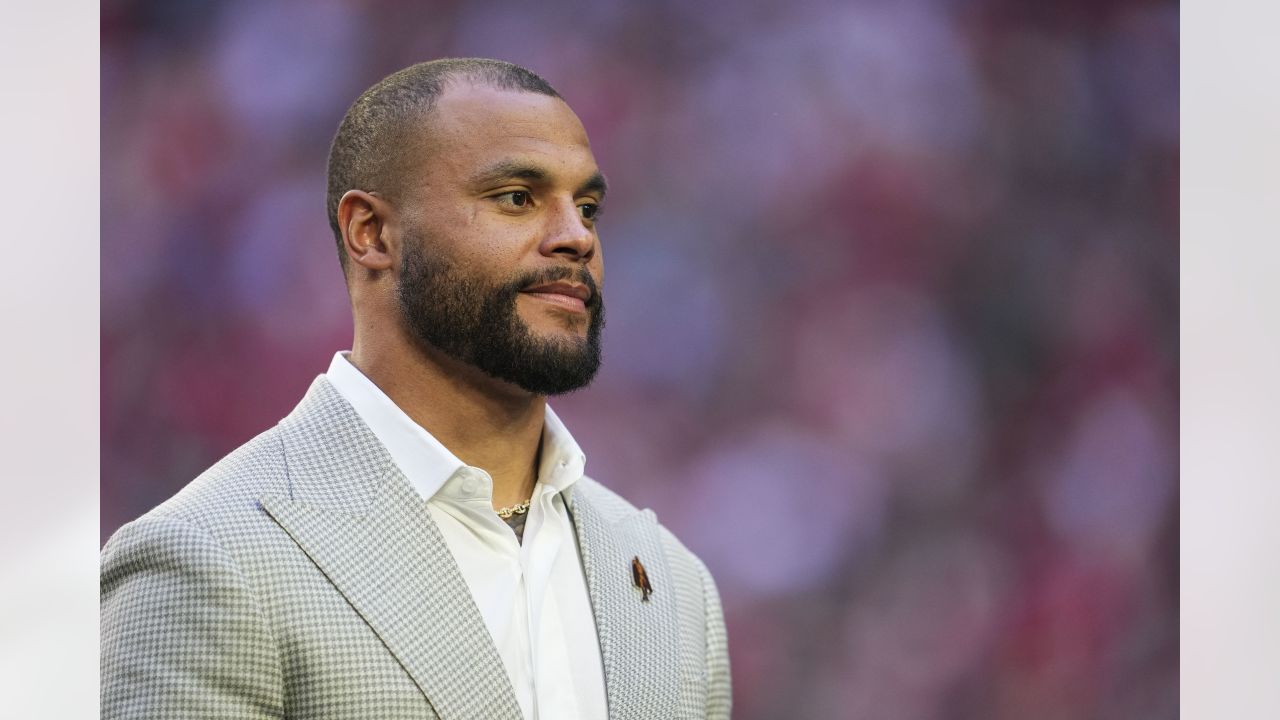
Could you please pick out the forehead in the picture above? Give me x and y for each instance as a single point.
(474, 126)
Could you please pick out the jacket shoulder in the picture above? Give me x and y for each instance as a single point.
(229, 490)
(183, 631)
(613, 507)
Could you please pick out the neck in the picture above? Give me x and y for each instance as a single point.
(487, 423)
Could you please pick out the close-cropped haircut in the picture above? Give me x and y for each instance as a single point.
(368, 150)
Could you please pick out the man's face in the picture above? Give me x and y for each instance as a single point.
(500, 264)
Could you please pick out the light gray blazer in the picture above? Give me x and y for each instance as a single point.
(303, 577)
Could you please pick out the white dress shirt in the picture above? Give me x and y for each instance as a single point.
(532, 596)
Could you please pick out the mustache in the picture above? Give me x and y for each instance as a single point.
(556, 274)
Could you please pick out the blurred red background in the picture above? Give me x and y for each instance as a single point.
(911, 391)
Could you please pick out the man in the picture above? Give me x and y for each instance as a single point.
(417, 539)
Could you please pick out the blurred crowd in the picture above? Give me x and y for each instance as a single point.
(893, 309)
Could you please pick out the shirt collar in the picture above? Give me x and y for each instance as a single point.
(563, 461)
(426, 462)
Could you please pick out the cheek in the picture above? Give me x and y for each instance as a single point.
(472, 238)
(597, 265)
(491, 233)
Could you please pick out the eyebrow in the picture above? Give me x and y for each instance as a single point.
(515, 170)
(596, 184)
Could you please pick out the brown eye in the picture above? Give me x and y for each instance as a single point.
(589, 210)
(519, 198)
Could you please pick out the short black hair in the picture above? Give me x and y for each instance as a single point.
(367, 151)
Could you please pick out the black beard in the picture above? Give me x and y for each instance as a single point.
(477, 323)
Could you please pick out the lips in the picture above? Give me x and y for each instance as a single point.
(566, 289)
(568, 296)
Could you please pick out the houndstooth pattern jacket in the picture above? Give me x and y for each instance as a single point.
(302, 577)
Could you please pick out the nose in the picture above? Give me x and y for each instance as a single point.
(569, 235)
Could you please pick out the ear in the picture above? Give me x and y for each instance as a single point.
(363, 219)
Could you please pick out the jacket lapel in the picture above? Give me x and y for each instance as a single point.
(638, 639)
(356, 516)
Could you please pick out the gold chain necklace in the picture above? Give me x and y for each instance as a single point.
(518, 509)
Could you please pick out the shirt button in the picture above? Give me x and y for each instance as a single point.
(468, 487)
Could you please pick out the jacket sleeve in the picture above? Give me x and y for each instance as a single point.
(182, 632)
(719, 685)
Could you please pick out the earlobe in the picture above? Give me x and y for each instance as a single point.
(362, 217)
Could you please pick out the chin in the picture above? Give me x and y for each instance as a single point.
(549, 325)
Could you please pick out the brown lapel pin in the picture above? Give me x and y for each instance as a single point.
(641, 578)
